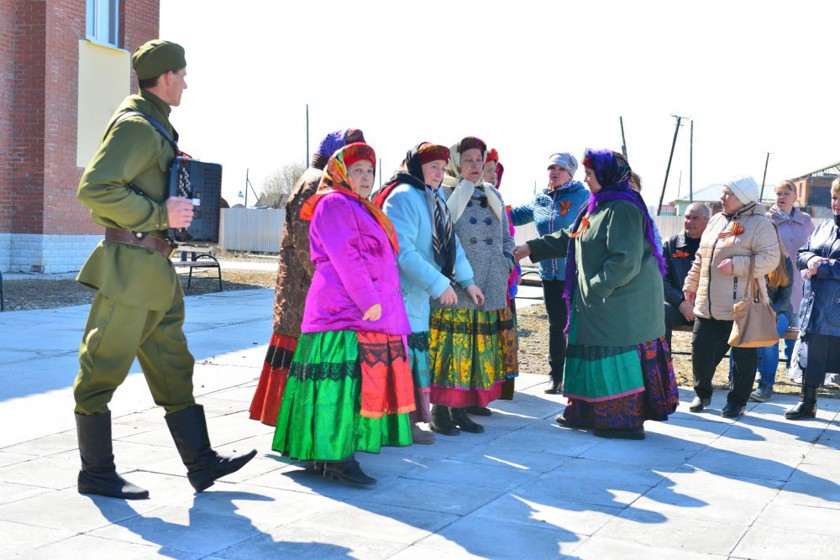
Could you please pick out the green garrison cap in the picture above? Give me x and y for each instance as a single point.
(157, 57)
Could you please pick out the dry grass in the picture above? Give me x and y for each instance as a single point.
(46, 293)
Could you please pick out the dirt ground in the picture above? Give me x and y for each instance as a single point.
(45, 293)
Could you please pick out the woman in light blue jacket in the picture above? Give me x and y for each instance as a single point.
(431, 259)
(553, 209)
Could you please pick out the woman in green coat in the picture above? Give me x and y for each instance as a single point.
(618, 370)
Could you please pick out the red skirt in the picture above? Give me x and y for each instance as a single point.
(269, 394)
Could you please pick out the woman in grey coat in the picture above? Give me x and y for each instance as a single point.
(473, 347)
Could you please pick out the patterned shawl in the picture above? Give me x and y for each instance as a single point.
(335, 179)
(443, 235)
(464, 189)
(613, 174)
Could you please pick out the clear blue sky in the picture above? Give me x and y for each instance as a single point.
(529, 77)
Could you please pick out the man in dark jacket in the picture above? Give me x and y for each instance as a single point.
(679, 251)
(138, 310)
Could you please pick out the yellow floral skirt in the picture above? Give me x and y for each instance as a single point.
(472, 352)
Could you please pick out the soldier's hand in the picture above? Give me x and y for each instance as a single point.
(180, 211)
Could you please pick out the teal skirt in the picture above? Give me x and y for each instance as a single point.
(600, 373)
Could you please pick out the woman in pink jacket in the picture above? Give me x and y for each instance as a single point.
(349, 386)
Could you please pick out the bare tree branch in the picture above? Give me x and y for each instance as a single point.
(278, 186)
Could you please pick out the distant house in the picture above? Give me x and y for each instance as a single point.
(814, 189)
(708, 194)
(65, 66)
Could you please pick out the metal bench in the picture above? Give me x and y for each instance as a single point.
(197, 256)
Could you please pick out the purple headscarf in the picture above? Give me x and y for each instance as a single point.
(613, 174)
(333, 142)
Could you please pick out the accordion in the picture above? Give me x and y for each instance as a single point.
(202, 183)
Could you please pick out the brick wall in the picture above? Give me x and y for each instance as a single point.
(7, 57)
(38, 110)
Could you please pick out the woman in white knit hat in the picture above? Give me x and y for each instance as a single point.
(717, 280)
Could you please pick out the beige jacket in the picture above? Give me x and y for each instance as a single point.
(718, 292)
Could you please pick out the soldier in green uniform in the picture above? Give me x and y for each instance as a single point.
(138, 309)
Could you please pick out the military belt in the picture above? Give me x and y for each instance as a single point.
(147, 241)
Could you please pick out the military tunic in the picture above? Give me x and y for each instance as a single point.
(139, 306)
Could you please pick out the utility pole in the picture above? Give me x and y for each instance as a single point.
(668, 169)
(766, 161)
(247, 182)
(623, 141)
(691, 165)
(306, 159)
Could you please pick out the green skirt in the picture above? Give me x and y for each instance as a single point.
(319, 418)
(600, 373)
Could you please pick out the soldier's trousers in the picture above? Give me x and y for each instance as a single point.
(114, 335)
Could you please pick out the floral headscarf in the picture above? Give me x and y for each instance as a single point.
(336, 180)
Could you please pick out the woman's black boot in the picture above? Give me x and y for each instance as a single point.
(556, 387)
(348, 471)
(806, 407)
(441, 421)
(460, 419)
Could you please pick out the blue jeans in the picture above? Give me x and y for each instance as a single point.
(768, 357)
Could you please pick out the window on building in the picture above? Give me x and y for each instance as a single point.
(103, 21)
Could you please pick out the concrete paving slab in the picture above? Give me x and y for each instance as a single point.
(762, 460)
(459, 473)
(814, 486)
(11, 492)
(802, 519)
(681, 533)
(56, 472)
(771, 543)
(702, 495)
(600, 547)
(182, 529)
(402, 525)
(21, 539)
(302, 542)
(69, 510)
(543, 511)
(505, 541)
(84, 546)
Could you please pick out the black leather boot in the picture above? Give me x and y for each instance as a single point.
(460, 419)
(348, 471)
(806, 407)
(189, 431)
(99, 473)
(556, 387)
(479, 411)
(442, 422)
